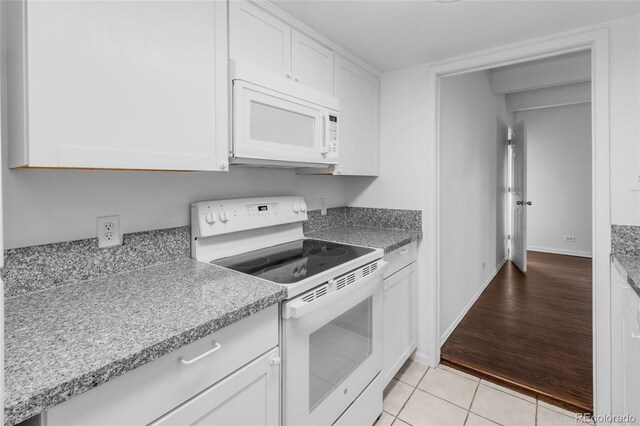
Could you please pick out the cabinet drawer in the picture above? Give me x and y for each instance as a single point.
(150, 391)
(250, 396)
(401, 257)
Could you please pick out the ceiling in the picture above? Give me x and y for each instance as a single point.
(394, 34)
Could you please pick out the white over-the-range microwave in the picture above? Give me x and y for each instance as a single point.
(279, 122)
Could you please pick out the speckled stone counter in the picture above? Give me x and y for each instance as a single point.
(386, 239)
(64, 341)
(630, 265)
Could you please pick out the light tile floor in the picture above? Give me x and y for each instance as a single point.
(443, 396)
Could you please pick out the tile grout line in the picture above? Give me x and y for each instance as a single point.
(475, 392)
(410, 395)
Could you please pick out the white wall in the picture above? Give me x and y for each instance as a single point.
(473, 125)
(43, 206)
(569, 94)
(549, 72)
(559, 178)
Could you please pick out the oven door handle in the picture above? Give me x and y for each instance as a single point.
(299, 308)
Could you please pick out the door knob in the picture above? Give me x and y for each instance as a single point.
(529, 203)
(519, 203)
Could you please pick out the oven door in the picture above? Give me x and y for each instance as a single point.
(332, 349)
(272, 126)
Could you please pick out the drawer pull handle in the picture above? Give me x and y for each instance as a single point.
(199, 357)
(635, 336)
(403, 251)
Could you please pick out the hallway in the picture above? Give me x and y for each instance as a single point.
(532, 332)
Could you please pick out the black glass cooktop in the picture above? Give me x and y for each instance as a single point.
(292, 262)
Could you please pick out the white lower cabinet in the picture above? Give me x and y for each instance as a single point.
(210, 381)
(399, 313)
(247, 397)
(625, 349)
(631, 363)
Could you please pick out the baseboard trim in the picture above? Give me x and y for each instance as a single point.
(565, 252)
(421, 358)
(455, 323)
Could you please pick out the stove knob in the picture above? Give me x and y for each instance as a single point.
(295, 207)
(303, 207)
(210, 218)
(223, 216)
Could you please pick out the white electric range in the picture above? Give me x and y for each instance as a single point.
(331, 322)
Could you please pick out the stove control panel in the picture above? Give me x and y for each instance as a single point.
(209, 218)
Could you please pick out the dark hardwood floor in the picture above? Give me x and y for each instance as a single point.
(532, 332)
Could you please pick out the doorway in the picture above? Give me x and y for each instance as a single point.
(526, 328)
(596, 42)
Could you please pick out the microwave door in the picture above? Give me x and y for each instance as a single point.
(272, 126)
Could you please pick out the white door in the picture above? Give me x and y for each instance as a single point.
(519, 196)
(127, 85)
(399, 320)
(358, 91)
(272, 126)
(258, 38)
(332, 349)
(311, 63)
(250, 396)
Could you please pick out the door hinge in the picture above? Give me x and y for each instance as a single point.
(508, 236)
(508, 189)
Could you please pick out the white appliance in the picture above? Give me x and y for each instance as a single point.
(331, 322)
(279, 122)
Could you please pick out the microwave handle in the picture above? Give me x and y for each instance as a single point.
(324, 149)
(300, 308)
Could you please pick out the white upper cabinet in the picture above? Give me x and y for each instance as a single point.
(359, 94)
(312, 63)
(118, 85)
(259, 38)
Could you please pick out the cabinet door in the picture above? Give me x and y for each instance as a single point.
(359, 142)
(258, 38)
(399, 320)
(631, 353)
(618, 287)
(250, 396)
(127, 85)
(312, 63)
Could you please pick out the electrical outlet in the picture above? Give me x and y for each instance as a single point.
(569, 238)
(108, 231)
(323, 206)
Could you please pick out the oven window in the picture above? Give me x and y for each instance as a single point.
(337, 349)
(277, 125)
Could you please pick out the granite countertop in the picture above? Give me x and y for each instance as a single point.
(64, 341)
(631, 265)
(386, 239)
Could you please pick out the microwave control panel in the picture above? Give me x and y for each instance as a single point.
(333, 133)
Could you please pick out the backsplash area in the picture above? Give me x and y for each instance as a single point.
(36, 268)
(625, 240)
(410, 220)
